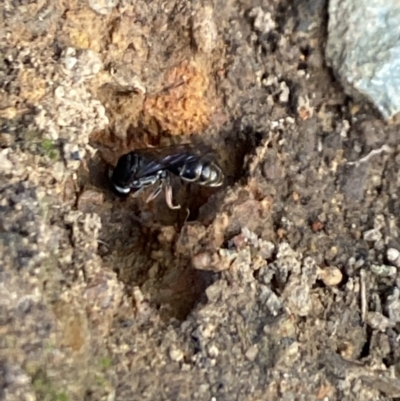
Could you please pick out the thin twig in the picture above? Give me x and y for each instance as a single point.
(384, 148)
(363, 295)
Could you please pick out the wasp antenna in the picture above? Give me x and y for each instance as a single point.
(187, 216)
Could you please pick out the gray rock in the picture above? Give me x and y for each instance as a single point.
(363, 48)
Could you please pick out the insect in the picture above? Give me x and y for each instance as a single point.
(141, 168)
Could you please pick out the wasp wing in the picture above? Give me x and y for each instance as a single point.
(165, 158)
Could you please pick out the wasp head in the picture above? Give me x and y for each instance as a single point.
(123, 176)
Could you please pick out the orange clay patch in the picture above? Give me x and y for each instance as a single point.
(182, 107)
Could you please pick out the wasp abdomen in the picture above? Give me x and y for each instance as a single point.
(202, 173)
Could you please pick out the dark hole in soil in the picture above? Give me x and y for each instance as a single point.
(365, 351)
(130, 228)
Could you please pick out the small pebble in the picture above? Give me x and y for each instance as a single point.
(70, 62)
(6, 140)
(263, 21)
(167, 234)
(372, 235)
(59, 92)
(215, 262)
(393, 305)
(102, 7)
(251, 353)
(357, 147)
(330, 276)
(384, 270)
(393, 256)
(175, 354)
(202, 261)
(5, 164)
(285, 92)
(378, 321)
(213, 351)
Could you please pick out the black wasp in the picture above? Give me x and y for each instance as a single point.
(143, 167)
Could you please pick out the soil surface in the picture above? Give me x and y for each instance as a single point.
(281, 285)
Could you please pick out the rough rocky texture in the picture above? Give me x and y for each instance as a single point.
(283, 284)
(364, 52)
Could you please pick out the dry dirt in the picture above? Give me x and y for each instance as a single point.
(282, 285)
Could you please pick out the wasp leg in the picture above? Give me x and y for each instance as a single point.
(168, 193)
(155, 193)
(137, 193)
(168, 197)
(187, 216)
